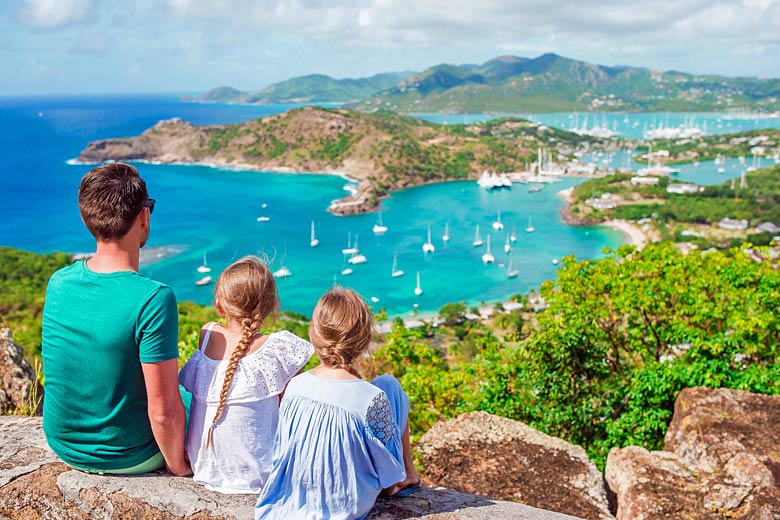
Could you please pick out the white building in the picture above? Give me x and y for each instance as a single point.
(684, 188)
(733, 224)
(644, 181)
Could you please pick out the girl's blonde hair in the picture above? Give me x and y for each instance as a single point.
(246, 294)
(340, 328)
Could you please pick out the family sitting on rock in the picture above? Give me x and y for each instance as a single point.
(318, 444)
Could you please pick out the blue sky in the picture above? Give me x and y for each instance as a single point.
(94, 46)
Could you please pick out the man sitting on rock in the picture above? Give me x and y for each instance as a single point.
(112, 403)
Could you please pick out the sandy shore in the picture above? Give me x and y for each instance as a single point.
(634, 234)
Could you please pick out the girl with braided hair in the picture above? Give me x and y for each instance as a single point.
(341, 441)
(236, 378)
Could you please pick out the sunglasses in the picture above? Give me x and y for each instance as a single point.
(150, 204)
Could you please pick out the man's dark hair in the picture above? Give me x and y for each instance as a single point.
(110, 198)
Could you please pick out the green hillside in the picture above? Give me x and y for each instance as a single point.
(554, 83)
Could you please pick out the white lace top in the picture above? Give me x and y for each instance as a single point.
(240, 455)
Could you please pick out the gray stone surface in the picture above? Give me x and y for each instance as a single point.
(33, 485)
(17, 379)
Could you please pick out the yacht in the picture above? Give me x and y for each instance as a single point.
(513, 236)
(511, 273)
(375, 299)
(379, 228)
(530, 228)
(204, 281)
(358, 259)
(477, 240)
(418, 289)
(205, 267)
(446, 236)
(555, 261)
(351, 249)
(497, 225)
(282, 272)
(487, 257)
(346, 271)
(314, 242)
(396, 272)
(507, 247)
(263, 219)
(428, 247)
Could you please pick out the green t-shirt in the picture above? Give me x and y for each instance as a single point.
(97, 330)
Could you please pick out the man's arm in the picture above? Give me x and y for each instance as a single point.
(166, 413)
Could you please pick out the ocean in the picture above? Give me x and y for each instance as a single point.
(203, 210)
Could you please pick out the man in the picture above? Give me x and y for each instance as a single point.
(112, 403)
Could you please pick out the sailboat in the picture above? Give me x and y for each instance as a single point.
(507, 247)
(513, 236)
(314, 242)
(497, 225)
(446, 236)
(418, 289)
(477, 240)
(346, 271)
(530, 228)
(350, 249)
(380, 228)
(487, 257)
(511, 273)
(204, 268)
(282, 272)
(428, 246)
(203, 281)
(396, 272)
(358, 258)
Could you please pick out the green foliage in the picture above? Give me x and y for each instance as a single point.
(23, 279)
(453, 313)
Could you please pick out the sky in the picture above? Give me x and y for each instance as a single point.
(190, 46)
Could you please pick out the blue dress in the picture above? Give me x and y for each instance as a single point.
(338, 444)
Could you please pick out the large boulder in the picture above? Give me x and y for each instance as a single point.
(721, 459)
(19, 388)
(35, 485)
(489, 455)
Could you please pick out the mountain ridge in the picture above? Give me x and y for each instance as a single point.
(515, 84)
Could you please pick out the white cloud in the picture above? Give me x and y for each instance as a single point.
(54, 13)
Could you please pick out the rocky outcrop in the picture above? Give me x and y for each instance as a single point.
(19, 388)
(721, 459)
(489, 455)
(34, 485)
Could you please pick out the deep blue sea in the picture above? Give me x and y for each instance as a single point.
(202, 210)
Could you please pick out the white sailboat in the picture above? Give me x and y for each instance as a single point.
(507, 247)
(513, 236)
(497, 225)
(205, 267)
(379, 228)
(314, 242)
(487, 257)
(282, 272)
(446, 236)
(203, 281)
(396, 272)
(477, 240)
(346, 271)
(418, 289)
(358, 259)
(530, 228)
(350, 249)
(511, 273)
(428, 247)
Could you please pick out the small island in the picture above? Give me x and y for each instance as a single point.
(383, 151)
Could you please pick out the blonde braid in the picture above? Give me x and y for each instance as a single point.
(249, 327)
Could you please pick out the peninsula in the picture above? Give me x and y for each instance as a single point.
(382, 151)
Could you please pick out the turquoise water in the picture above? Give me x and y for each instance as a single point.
(205, 210)
(631, 125)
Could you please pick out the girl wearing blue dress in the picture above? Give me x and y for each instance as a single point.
(341, 441)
